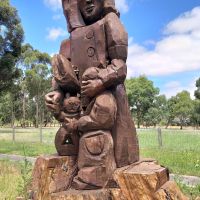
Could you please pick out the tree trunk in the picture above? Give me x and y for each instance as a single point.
(159, 137)
(13, 122)
(168, 122)
(181, 124)
(181, 127)
(138, 124)
(138, 117)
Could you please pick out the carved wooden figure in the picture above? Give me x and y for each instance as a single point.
(89, 96)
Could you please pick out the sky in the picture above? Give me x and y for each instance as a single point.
(164, 37)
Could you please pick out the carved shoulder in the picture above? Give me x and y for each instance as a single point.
(65, 49)
(117, 37)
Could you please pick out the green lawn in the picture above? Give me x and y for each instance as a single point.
(180, 151)
(27, 148)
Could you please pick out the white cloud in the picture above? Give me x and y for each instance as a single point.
(122, 5)
(55, 33)
(178, 51)
(186, 23)
(172, 84)
(149, 43)
(53, 4)
(57, 16)
(173, 87)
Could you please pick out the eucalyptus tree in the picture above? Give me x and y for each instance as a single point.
(35, 82)
(197, 91)
(157, 112)
(196, 102)
(141, 95)
(11, 38)
(183, 107)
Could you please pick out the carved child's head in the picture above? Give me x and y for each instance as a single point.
(71, 105)
(91, 10)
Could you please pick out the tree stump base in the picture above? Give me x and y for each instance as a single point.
(52, 174)
(144, 180)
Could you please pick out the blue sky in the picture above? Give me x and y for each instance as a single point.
(164, 37)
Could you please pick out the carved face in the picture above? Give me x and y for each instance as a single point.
(91, 10)
(71, 105)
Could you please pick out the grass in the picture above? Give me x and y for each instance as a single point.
(191, 191)
(32, 149)
(180, 151)
(15, 179)
(9, 178)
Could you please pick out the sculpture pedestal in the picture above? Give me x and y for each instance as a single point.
(144, 180)
(52, 174)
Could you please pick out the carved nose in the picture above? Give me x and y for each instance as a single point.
(88, 1)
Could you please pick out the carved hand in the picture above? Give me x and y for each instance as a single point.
(52, 100)
(71, 124)
(91, 88)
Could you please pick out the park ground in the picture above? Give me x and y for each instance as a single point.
(180, 153)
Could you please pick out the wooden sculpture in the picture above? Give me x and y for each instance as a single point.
(89, 96)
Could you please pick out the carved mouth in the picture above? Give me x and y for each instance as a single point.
(89, 9)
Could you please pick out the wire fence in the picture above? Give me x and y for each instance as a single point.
(188, 139)
(179, 150)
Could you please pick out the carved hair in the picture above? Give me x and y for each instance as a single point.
(109, 6)
(73, 15)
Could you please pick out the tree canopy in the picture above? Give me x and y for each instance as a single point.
(197, 91)
(36, 78)
(196, 111)
(141, 95)
(183, 107)
(11, 38)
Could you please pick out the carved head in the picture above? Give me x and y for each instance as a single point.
(71, 105)
(79, 13)
(91, 10)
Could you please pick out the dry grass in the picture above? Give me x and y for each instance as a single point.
(9, 178)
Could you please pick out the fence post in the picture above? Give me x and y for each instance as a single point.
(40, 133)
(159, 137)
(13, 133)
